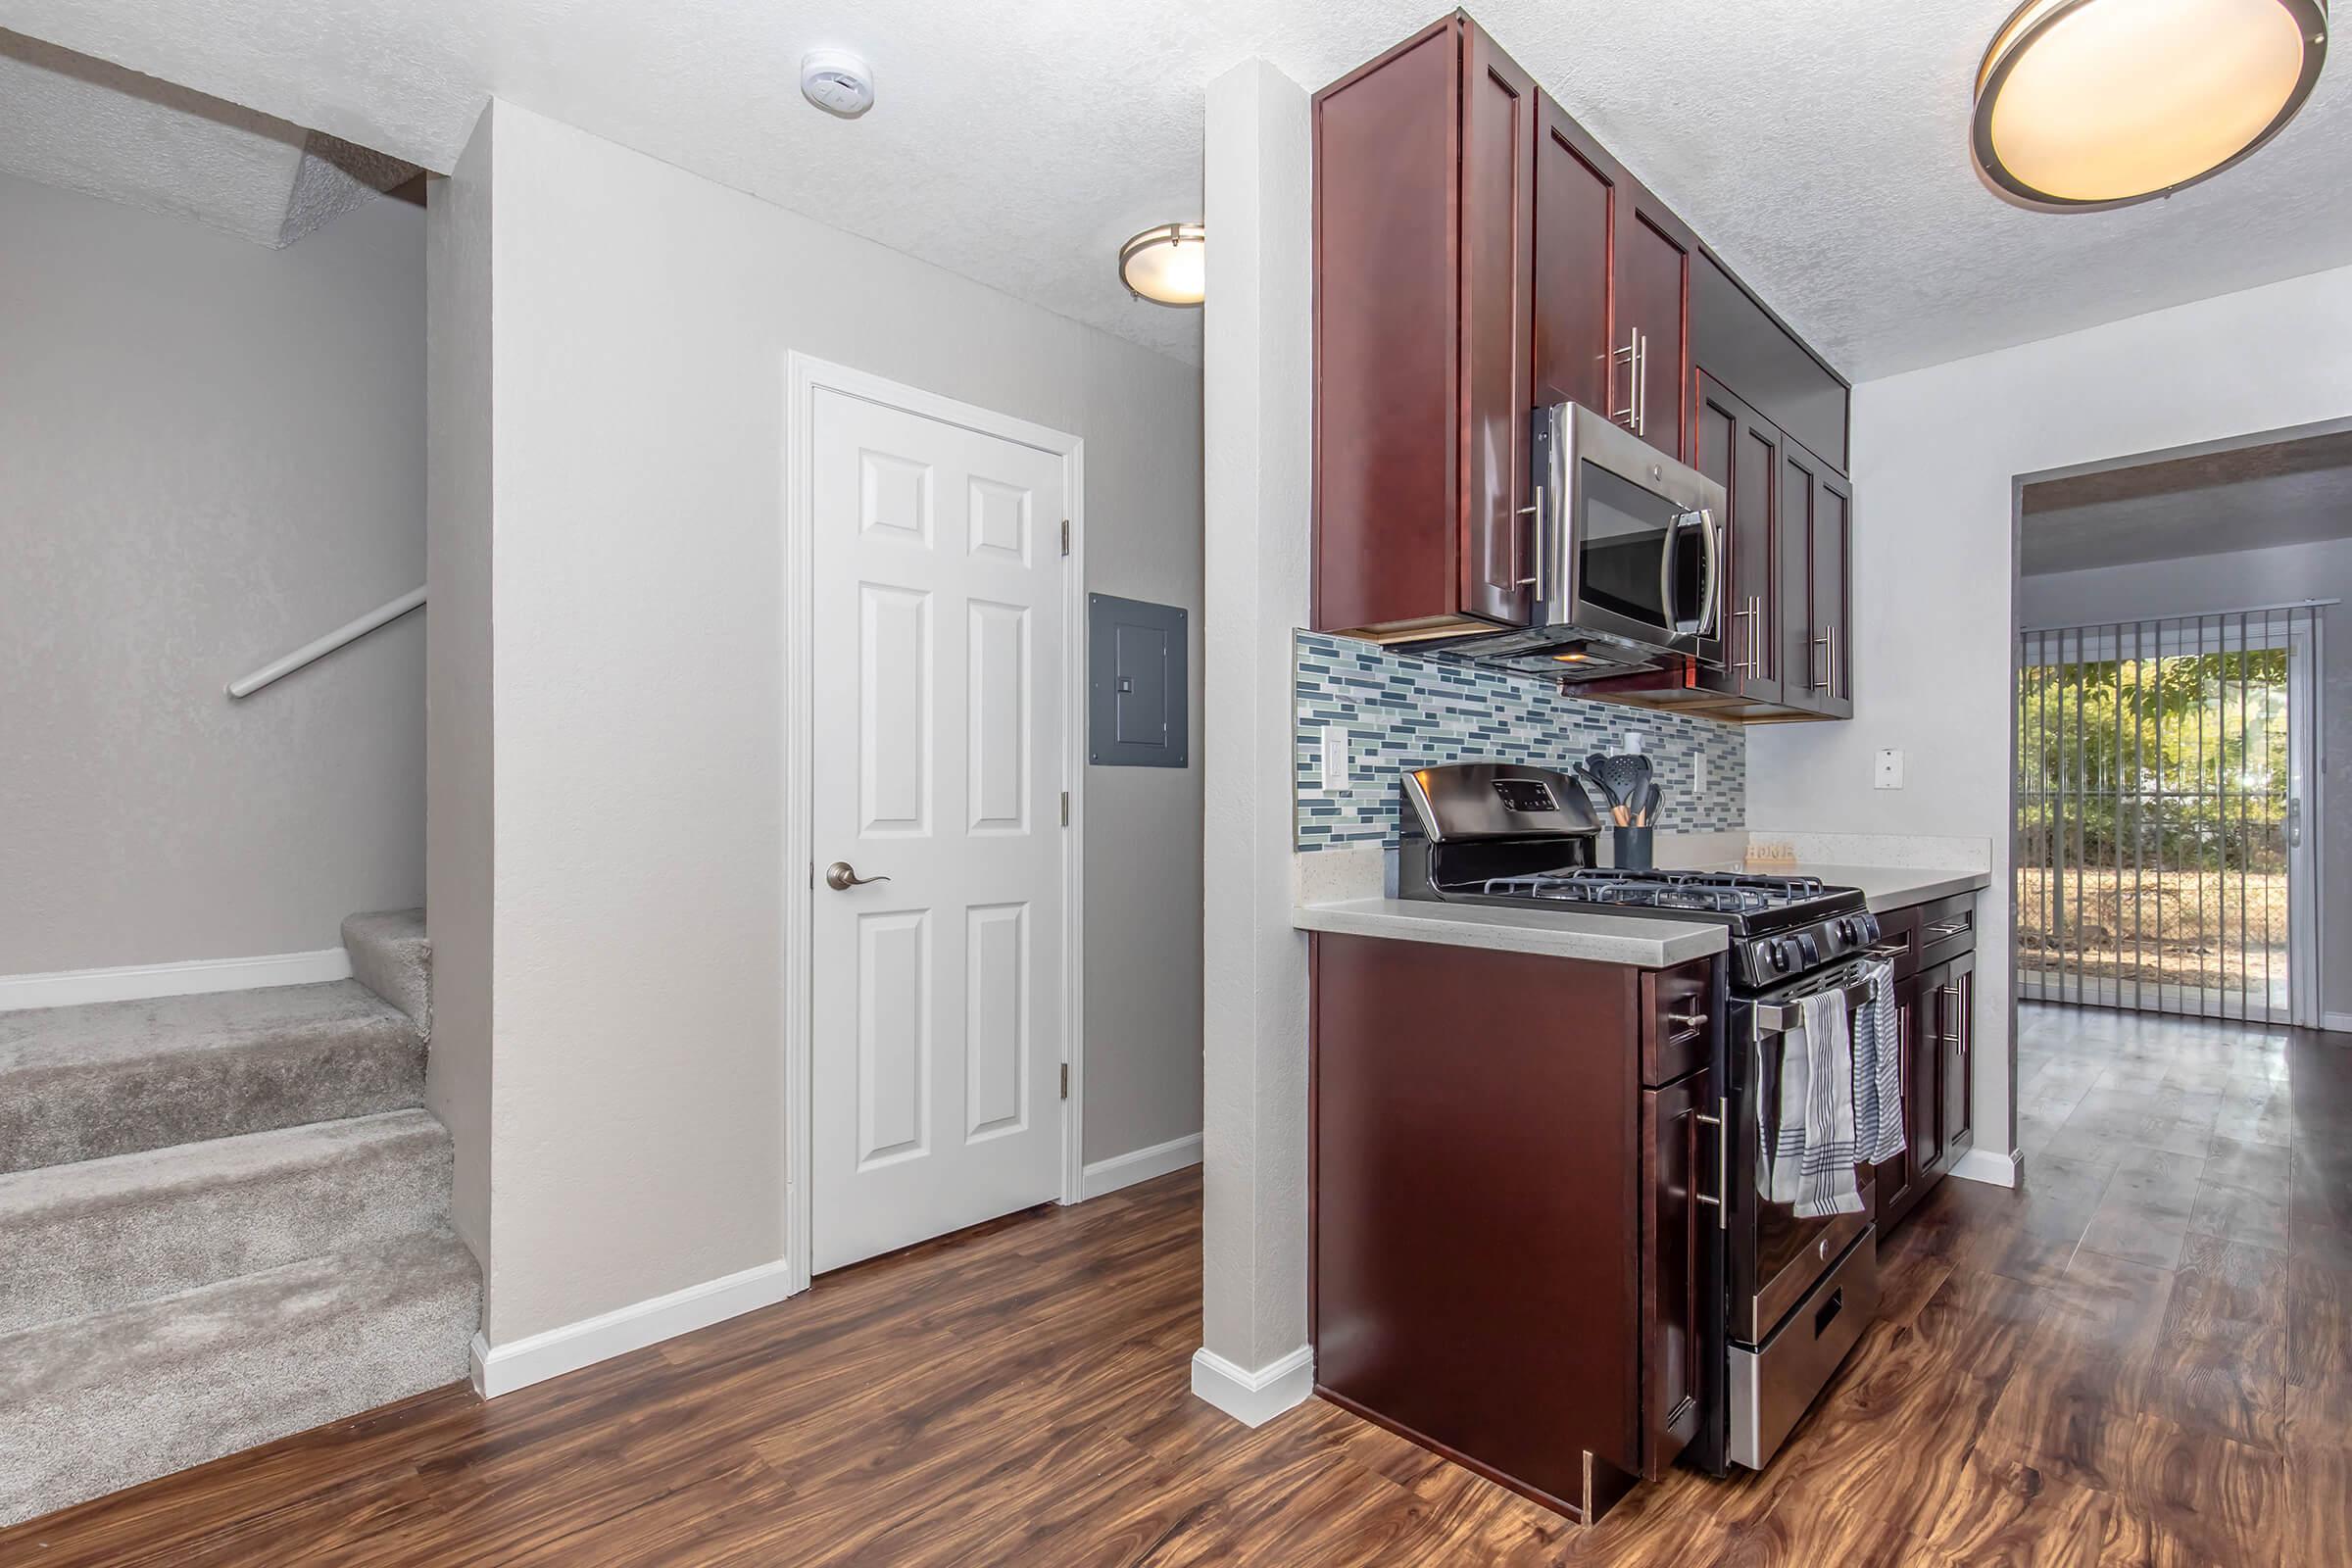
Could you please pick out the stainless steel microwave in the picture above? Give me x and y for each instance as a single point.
(1628, 559)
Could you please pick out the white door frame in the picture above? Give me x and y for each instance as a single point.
(805, 376)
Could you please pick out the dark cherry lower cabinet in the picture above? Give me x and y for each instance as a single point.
(1512, 1232)
(1934, 950)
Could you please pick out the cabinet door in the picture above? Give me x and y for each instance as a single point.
(1831, 585)
(1577, 186)
(1899, 1178)
(1499, 200)
(1736, 448)
(1654, 288)
(1955, 1014)
(1924, 1092)
(1799, 492)
(1675, 1225)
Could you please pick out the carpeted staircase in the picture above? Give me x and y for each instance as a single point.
(223, 1219)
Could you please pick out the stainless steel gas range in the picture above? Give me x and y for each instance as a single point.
(1796, 1293)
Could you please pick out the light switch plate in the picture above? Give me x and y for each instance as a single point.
(1889, 774)
(1698, 774)
(1632, 742)
(1335, 760)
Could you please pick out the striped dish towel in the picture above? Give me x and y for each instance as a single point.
(1813, 1156)
(1877, 1069)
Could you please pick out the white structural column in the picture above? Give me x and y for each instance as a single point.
(1256, 427)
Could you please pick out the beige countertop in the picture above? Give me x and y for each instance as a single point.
(1601, 938)
(1885, 887)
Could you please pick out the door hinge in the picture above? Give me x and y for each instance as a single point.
(1065, 1080)
(1065, 537)
(1066, 808)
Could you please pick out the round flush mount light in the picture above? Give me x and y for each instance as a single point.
(2087, 104)
(1167, 264)
(837, 81)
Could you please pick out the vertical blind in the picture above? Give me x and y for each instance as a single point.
(2157, 822)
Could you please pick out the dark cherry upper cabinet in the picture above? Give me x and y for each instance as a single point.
(1740, 449)
(1424, 324)
(1479, 256)
(1579, 189)
(1651, 336)
(1745, 347)
(1815, 577)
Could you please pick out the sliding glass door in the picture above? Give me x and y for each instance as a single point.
(2162, 862)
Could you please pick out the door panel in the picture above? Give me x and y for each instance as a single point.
(1576, 195)
(1654, 269)
(1736, 448)
(1956, 1003)
(935, 1012)
(1499, 106)
(1899, 1178)
(1800, 662)
(1830, 554)
(1673, 1232)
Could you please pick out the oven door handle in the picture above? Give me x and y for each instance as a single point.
(1721, 1122)
(1791, 1015)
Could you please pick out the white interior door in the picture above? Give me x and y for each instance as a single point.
(936, 1010)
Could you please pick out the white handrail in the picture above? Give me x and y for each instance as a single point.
(319, 648)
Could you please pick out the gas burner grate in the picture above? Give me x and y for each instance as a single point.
(1638, 890)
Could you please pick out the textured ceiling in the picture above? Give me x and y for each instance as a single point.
(69, 120)
(1819, 144)
(2247, 498)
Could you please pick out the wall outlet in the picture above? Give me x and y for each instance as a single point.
(1632, 742)
(1889, 775)
(1698, 774)
(1335, 760)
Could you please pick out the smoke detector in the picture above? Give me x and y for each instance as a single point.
(837, 81)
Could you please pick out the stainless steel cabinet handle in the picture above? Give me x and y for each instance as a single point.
(841, 876)
(1746, 664)
(1537, 579)
(1945, 1030)
(1723, 1162)
(1631, 354)
(1825, 659)
(1890, 950)
(1640, 382)
(1686, 1020)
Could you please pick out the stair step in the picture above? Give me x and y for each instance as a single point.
(103, 1402)
(103, 1234)
(391, 957)
(118, 1077)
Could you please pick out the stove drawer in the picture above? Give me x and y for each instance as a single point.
(1681, 1011)
(1774, 1385)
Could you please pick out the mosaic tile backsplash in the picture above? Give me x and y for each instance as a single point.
(1404, 711)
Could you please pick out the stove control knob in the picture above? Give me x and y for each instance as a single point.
(1809, 947)
(1870, 927)
(1779, 956)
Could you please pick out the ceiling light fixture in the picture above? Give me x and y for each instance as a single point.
(1167, 264)
(2087, 104)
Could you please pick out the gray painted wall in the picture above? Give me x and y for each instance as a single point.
(2235, 582)
(210, 452)
(459, 843)
(639, 322)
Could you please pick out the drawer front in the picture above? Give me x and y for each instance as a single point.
(1774, 1385)
(1680, 1014)
(1898, 940)
(1947, 928)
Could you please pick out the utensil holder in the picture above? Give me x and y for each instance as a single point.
(1632, 848)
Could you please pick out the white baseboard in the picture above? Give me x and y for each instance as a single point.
(1988, 1166)
(137, 982)
(540, 1356)
(1255, 1398)
(1140, 1165)
(2337, 1023)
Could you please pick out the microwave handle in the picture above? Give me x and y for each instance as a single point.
(1711, 531)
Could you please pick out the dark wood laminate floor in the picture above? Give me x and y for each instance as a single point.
(2145, 1356)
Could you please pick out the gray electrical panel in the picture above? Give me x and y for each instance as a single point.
(1137, 693)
